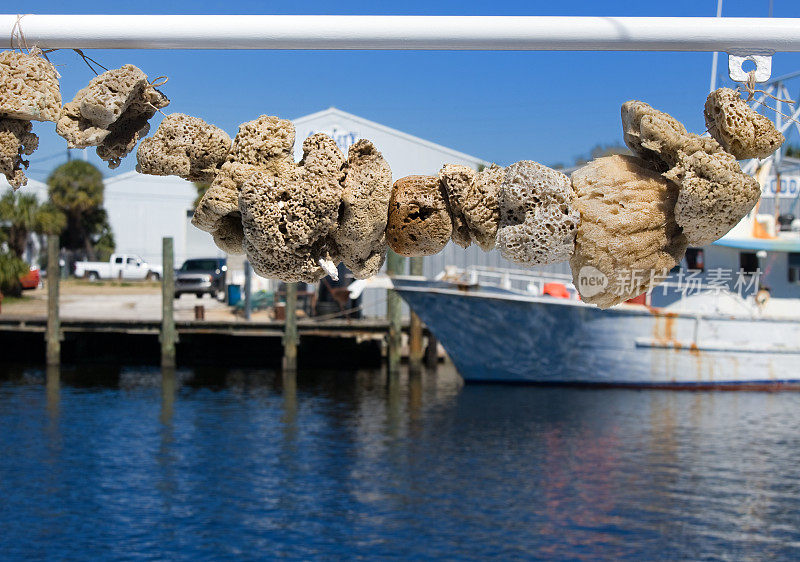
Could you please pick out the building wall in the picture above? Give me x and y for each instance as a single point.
(143, 209)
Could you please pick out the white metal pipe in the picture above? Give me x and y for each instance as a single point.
(748, 35)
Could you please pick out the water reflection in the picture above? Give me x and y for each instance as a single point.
(213, 464)
(53, 391)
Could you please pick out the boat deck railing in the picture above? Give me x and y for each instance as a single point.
(527, 282)
(533, 282)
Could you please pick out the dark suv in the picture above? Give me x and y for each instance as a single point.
(201, 276)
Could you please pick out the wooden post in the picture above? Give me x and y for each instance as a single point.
(248, 285)
(169, 336)
(394, 266)
(432, 352)
(290, 339)
(53, 321)
(415, 352)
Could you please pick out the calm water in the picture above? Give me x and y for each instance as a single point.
(211, 465)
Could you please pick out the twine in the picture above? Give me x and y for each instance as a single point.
(155, 83)
(89, 61)
(750, 88)
(16, 30)
(159, 81)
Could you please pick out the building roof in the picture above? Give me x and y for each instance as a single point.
(335, 112)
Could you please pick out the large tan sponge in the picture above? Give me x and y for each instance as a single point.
(112, 113)
(419, 222)
(472, 199)
(658, 137)
(537, 218)
(16, 141)
(740, 129)
(714, 195)
(288, 218)
(184, 146)
(28, 87)
(262, 145)
(627, 240)
(360, 236)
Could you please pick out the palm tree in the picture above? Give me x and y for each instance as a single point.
(11, 269)
(22, 214)
(76, 189)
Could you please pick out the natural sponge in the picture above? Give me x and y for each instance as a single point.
(112, 113)
(658, 137)
(627, 240)
(472, 200)
(714, 195)
(16, 140)
(184, 146)
(419, 222)
(288, 218)
(537, 219)
(28, 87)
(262, 145)
(360, 236)
(740, 129)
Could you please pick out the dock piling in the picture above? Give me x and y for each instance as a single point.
(248, 285)
(432, 352)
(169, 336)
(290, 339)
(415, 352)
(53, 333)
(394, 266)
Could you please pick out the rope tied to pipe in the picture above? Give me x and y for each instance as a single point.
(16, 32)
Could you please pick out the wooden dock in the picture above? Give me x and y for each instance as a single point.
(363, 327)
(323, 343)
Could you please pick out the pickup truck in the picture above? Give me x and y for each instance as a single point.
(201, 276)
(120, 266)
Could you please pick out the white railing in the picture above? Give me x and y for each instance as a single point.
(732, 35)
(527, 282)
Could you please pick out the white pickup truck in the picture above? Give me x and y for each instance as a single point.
(120, 266)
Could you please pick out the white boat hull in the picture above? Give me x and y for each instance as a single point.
(496, 336)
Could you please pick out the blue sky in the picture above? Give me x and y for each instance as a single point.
(501, 106)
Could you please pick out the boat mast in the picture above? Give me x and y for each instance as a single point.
(715, 57)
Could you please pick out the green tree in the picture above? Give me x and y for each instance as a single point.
(601, 150)
(22, 214)
(11, 269)
(201, 187)
(793, 151)
(102, 236)
(76, 188)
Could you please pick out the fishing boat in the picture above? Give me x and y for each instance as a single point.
(511, 326)
(728, 315)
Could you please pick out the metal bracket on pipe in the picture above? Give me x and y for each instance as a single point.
(738, 74)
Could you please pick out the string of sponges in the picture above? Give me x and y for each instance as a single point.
(112, 112)
(626, 218)
(630, 218)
